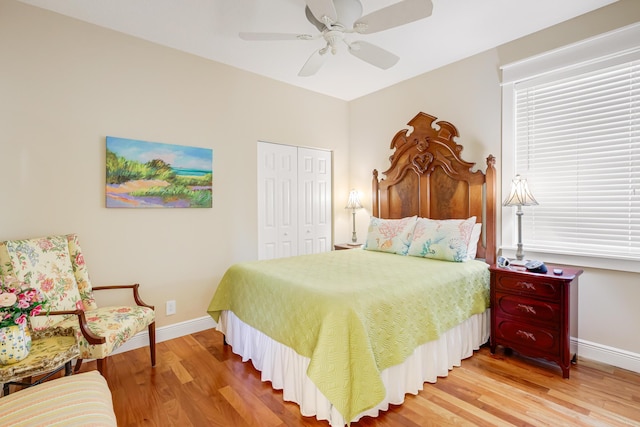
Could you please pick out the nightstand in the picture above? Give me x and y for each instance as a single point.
(535, 314)
(342, 246)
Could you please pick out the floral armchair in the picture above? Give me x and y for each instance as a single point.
(55, 266)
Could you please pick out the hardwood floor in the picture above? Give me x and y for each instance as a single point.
(199, 382)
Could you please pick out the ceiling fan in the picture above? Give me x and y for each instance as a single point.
(335, 19)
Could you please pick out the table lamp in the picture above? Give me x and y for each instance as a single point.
(354, 204)
(520, 196)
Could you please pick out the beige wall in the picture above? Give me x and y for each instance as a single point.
(467, 94)
(65, 85)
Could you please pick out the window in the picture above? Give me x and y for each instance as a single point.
(573, 131)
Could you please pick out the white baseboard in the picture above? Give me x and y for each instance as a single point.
(609, 355)
(165, 333)
(586, 349)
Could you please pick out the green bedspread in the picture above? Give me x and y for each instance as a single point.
(353, 313)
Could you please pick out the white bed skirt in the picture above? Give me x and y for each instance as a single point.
(286, 369)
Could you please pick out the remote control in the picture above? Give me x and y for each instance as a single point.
(557, 271)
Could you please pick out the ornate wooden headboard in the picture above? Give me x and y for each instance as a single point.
(428, 178)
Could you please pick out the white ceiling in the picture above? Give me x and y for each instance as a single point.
(209, 28)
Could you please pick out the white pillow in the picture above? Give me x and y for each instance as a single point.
(447, 240)
(472, 249)
(390, 235)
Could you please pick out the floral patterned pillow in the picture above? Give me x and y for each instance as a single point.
(390, 235)
(447, 240)
(45, 264)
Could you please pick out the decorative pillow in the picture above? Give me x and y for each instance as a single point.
(472, 249)
(447, 240)
(390, 235)
(45, 264)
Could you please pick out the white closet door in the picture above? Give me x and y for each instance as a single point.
(314, 201)
(277, 200)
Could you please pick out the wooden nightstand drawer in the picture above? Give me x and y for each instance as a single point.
(518, 335)
(526, 285)
(529, 309)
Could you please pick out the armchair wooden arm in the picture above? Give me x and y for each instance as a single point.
(82, 320)
(134, 287)
(152, 327)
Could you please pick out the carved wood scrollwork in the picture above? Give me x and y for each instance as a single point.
(421, 162)
(423, 144)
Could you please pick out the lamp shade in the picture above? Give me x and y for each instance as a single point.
(354, 200)
(520, 194)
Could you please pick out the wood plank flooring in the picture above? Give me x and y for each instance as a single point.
(199, 382)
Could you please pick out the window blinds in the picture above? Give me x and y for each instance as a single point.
(577, 143)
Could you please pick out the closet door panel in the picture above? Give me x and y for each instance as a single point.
(268, 230)
(287, 214)
(314, 177)
(277, 200)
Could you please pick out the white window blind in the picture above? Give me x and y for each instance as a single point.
(577, 142)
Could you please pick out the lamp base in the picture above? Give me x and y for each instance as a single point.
(354, 237)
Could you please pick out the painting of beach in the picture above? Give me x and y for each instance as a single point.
(144, 174)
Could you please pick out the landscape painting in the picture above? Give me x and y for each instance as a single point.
(144, 174)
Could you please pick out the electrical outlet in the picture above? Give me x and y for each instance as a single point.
(171, 307)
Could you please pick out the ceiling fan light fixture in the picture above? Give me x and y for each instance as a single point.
(332, 38)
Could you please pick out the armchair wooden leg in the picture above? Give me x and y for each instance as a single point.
(78, 365)
(152, 342)
(102, 366)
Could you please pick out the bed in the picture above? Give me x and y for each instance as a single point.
(344, 334)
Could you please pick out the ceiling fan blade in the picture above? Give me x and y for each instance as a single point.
(397, 14)
(313, 64)
(373, 54)
(274, 36)
(321, 9)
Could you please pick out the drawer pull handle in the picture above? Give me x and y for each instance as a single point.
(527, 285)
(526, 309)
(526, 335)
